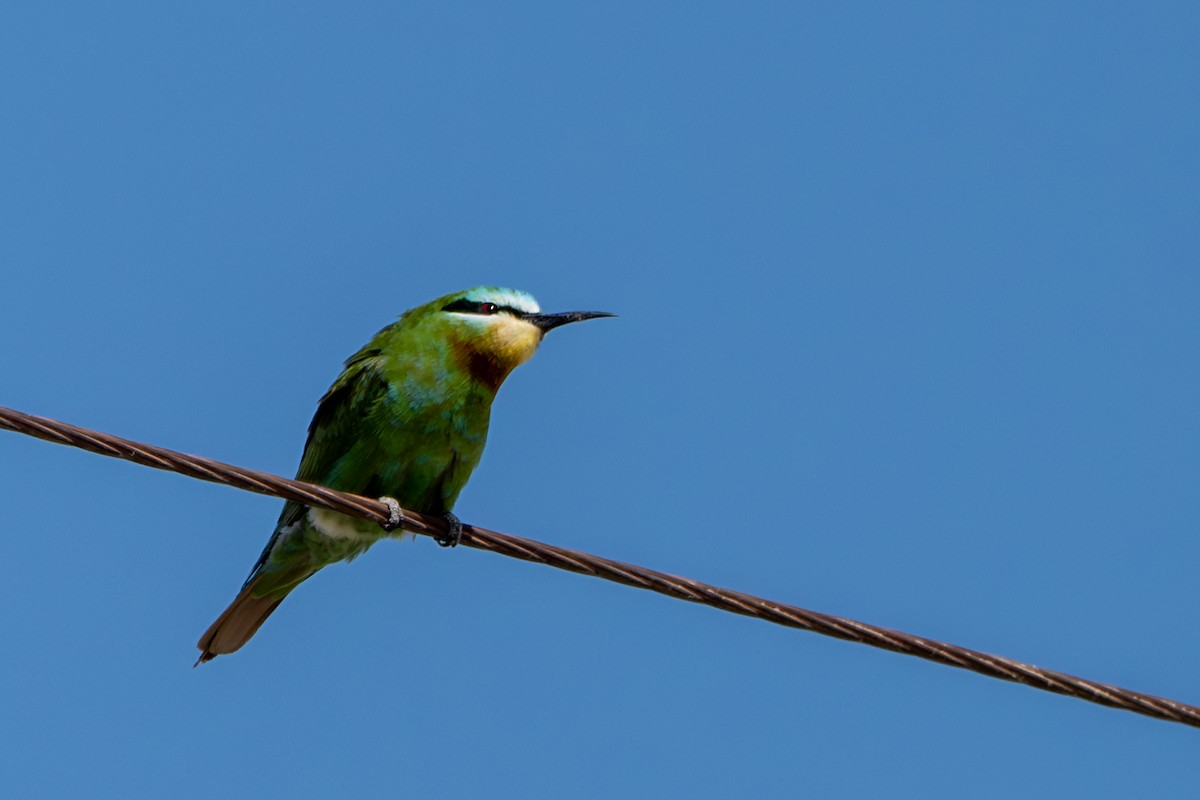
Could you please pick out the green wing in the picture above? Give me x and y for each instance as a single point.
(338, 433)
(342, 420)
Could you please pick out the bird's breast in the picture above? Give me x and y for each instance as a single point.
(427, 447)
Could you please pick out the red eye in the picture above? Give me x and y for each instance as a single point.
(488, 308)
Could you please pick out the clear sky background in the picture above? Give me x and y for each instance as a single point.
(908, 330)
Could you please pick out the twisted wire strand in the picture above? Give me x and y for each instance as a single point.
(615, 571)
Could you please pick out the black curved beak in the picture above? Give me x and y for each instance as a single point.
(549, 322)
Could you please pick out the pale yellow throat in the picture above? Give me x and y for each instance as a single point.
(511, 341)
(492, 353)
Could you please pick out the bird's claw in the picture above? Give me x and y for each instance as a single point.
(453, 536)
(395, 514)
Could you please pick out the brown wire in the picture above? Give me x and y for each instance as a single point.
(586, 564)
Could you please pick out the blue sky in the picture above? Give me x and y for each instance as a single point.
(907, 333)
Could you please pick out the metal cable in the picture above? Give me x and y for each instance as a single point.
(586, 564)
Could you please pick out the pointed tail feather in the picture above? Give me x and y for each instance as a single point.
(237, 624)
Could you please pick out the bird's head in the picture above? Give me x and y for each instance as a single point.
(494, 330)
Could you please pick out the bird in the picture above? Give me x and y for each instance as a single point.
(405, 421)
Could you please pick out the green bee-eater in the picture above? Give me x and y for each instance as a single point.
(406, 421)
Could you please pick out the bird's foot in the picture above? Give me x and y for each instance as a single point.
(453, 536)
(395, 514)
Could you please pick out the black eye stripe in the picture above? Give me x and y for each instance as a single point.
(464, 306)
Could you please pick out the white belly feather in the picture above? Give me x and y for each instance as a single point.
(339, 526)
